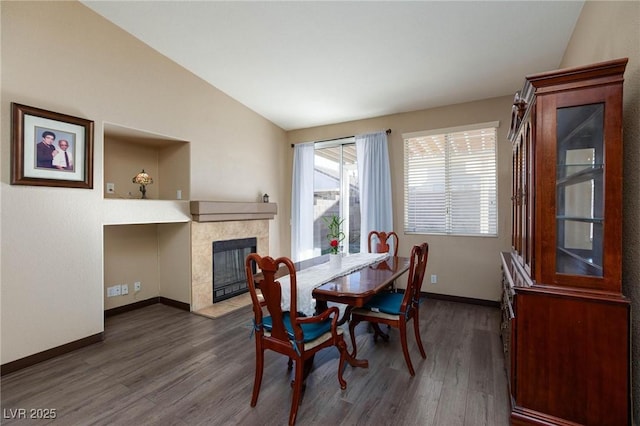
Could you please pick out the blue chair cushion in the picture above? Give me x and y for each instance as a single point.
(389, 303)
(310, 331)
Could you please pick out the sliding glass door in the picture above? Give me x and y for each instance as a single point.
(336, 192)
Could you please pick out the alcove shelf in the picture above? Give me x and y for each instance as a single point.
(131, 212)
(128, 151)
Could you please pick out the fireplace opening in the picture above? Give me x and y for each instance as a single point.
(229, 277)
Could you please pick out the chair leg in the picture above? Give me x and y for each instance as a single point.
(342, 348)
(377, 332)
(405, 349)
(352, 332)
(297, 391)
(308, 366)
(416, 330)
(258, 377)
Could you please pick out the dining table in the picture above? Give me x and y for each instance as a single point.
(356, 288)
(350, 287)
(361, 276)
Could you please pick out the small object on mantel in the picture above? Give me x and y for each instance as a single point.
(265, 198)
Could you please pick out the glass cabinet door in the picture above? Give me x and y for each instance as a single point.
(580, 190)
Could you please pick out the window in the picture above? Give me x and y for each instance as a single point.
(450, 181)
(336, 192)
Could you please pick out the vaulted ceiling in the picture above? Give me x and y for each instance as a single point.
(307, 63)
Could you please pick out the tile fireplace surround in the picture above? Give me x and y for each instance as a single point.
(219, 221)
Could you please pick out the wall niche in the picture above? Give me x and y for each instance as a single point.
(127, 151)
(146, 240)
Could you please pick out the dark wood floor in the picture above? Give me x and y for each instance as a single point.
(162, 366)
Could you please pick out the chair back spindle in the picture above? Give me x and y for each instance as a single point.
(383, 242)
(417, 268)
(271, 292)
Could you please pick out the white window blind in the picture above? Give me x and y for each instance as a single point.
(450, 181)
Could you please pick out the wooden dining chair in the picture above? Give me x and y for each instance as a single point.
(380, 240)
(383, 239)
(297, 337)
(396, 309)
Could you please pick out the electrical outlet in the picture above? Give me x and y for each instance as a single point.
(124, 289)
(111, 188)
(434, 279)
(179, 194)
(116, 290)
(109, 291)
(137, 286)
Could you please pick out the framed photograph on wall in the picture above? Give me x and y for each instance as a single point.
(50, 149)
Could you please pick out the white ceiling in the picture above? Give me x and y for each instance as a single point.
(308, 63)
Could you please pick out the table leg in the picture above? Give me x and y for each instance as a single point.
(346, 316)
(321, 305)
(363, 363)
(350, 357)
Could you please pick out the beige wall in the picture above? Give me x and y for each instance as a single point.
(174, 262)
(609, 30)
(122, 160)
(466, 266)
(62, 57)
(131, 255)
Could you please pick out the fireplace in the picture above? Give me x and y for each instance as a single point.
(223, 221)
(229, 276)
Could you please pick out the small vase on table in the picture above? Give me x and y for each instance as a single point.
(335, 260)
(335, 237)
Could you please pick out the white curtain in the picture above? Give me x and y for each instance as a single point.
(376, 209)
(302, 202)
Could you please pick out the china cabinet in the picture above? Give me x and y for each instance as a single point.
(566, 323)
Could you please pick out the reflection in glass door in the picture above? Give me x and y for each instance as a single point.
(580, 190)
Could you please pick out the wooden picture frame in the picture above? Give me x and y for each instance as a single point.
(39, 154)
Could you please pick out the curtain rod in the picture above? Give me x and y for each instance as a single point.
(388, 132)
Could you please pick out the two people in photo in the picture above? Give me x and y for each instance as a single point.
(50, 156)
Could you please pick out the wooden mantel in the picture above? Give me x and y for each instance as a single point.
(220, 211)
